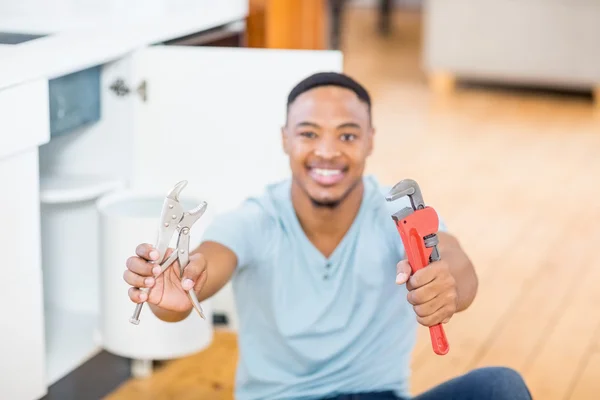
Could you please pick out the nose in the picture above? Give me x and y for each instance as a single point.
(327, 148)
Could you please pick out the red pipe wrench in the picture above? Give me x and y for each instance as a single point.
(418, 228)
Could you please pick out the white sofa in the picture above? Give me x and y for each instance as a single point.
(547, 43)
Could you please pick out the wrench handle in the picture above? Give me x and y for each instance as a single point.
(439, 342)
(418, 229)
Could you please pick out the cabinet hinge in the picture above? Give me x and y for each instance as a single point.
(121, 89)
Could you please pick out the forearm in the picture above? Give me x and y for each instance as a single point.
(221, 263)
(461, 269)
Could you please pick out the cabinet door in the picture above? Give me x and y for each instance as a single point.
(22, 364)
(213, 116)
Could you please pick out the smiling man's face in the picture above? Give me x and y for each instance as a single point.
(328, 137)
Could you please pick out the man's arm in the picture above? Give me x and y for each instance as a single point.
(461, 268)
(229, 243)
(211, 266)
(444, 287)
(221, 263)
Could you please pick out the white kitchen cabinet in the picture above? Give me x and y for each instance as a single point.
(22, 365)
(23, 126)
(211, 116)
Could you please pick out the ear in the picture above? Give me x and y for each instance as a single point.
(284, 140)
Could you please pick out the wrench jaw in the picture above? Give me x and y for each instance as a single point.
(402, 214)
(410, 188)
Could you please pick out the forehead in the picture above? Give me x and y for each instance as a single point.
(328, 102)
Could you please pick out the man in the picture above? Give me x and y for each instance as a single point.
(326, 301)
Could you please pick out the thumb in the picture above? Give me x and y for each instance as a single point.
(193, 274)
(403, 272)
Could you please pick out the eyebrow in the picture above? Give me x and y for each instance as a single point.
(344, 125)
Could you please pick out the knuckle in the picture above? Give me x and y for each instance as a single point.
(133, 295)
(420, 311)
(127, 275)
(452, 296)
(142, 250)
(414, 280)
(447, 311)
(131, 261)
(200, 260)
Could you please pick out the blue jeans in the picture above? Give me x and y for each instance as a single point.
(489, 383)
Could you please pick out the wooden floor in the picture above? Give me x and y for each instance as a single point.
(517, 177)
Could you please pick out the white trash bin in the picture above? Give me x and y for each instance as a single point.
(127, 219)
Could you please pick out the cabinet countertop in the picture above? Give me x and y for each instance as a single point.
(78, 40)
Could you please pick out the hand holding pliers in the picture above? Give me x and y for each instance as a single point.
(175, 219)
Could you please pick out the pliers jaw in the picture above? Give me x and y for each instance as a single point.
(174, 218)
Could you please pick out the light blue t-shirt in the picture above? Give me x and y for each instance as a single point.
(311, 326)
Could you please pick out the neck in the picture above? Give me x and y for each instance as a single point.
(324, 221)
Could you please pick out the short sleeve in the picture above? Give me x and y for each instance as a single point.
(243, 230)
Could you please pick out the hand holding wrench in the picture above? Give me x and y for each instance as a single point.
(418, 227)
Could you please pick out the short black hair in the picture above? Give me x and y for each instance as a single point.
(330, 79)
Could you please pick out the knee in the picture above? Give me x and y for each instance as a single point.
(503, 383)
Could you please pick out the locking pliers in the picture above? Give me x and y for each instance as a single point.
(175, 219)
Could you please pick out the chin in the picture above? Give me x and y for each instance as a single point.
(329, 196)
(326, 201)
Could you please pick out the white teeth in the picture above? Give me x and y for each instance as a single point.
(327, 172)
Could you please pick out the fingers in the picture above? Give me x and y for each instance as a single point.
(147, 252)
(433, 294)
(440, 316)
(139, 266)
(138, 281)
(140, 272)
(403, 272)
(441, 286)
(137, 296)
(194, 275)
(432, 309)
(422, 277)
(429, 307)
(423, 294)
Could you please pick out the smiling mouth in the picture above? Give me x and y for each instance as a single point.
(327, 176)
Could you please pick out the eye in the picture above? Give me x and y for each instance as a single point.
(348, 137)
(308, 134)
